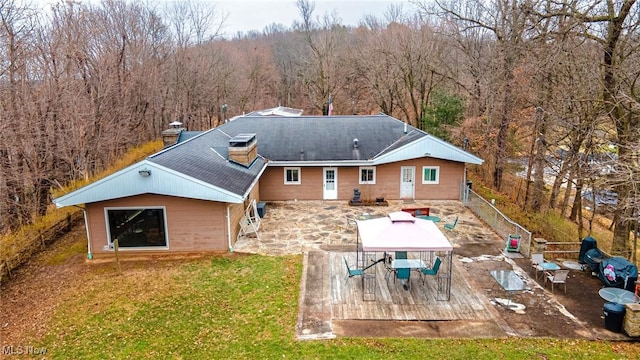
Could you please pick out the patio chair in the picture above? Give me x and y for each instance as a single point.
(351, 221)
(557, 277)
(536, 260)
(388, 260)
(451, 226)
(403, 273)
(351, 272)
(433, 271)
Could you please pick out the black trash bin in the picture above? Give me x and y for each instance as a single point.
(613, 316)
(262, 209)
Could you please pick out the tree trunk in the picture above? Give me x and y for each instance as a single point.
(557, 183)
(576, 209)
(625, 121)
(539, 160)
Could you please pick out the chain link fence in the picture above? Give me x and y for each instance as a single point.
(500, 223)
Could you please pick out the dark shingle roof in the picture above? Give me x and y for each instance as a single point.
(307, 138)
(204, 157)
(186, 135)
(322, 138)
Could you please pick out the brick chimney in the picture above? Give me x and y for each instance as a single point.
(243, 149)
(171, 135)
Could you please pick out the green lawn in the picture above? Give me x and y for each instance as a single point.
(242, 307)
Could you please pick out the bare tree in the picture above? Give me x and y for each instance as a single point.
(613, 25)
(193, 22)
(509, 27)
(373, 63)
(420, 59)
(320, 67)
(16, 45)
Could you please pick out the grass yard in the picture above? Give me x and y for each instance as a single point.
(243, 307)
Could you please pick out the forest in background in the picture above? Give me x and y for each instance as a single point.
(553, 82)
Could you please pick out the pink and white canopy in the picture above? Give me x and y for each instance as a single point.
(399, 231)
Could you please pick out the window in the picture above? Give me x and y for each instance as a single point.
(367, 175)
(136, 227)
(431, 174)
(291, 176)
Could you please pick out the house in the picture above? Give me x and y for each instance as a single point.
(199, 194)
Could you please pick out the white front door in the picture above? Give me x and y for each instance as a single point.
(330, 184)
(407, 181)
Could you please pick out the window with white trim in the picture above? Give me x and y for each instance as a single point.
(292, 176)
(137, 227)
(431, 174)
(367, 175)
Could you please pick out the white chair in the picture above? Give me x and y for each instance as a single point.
(536, 260)
(557, 277)
(351, 221)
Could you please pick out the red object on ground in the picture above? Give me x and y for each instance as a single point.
(422, 211)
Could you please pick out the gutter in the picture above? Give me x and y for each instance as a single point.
(86, 227)
(332, 163)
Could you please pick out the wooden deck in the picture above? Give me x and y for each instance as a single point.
(393, 302)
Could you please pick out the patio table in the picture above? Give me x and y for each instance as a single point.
(435, 219)
(546, 266)
(618, 296)
(509, 281)
(408, 264)
(549, 266)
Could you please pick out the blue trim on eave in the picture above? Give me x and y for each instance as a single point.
(162, 181)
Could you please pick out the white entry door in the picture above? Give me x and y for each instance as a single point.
(407, 181)
(330, 183)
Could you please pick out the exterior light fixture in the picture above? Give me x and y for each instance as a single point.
(144, 173)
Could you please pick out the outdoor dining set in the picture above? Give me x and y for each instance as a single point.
(400, 268)
(404, 243)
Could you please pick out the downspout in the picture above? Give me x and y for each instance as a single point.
(86, 227)
(229, 228)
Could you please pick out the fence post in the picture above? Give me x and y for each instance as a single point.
(540, 245)
(115, 248)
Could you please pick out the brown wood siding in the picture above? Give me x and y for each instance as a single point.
(387, 184)
(272, 187)
(448, 188)
(235, 214)
(192, 225)
(237, 210)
